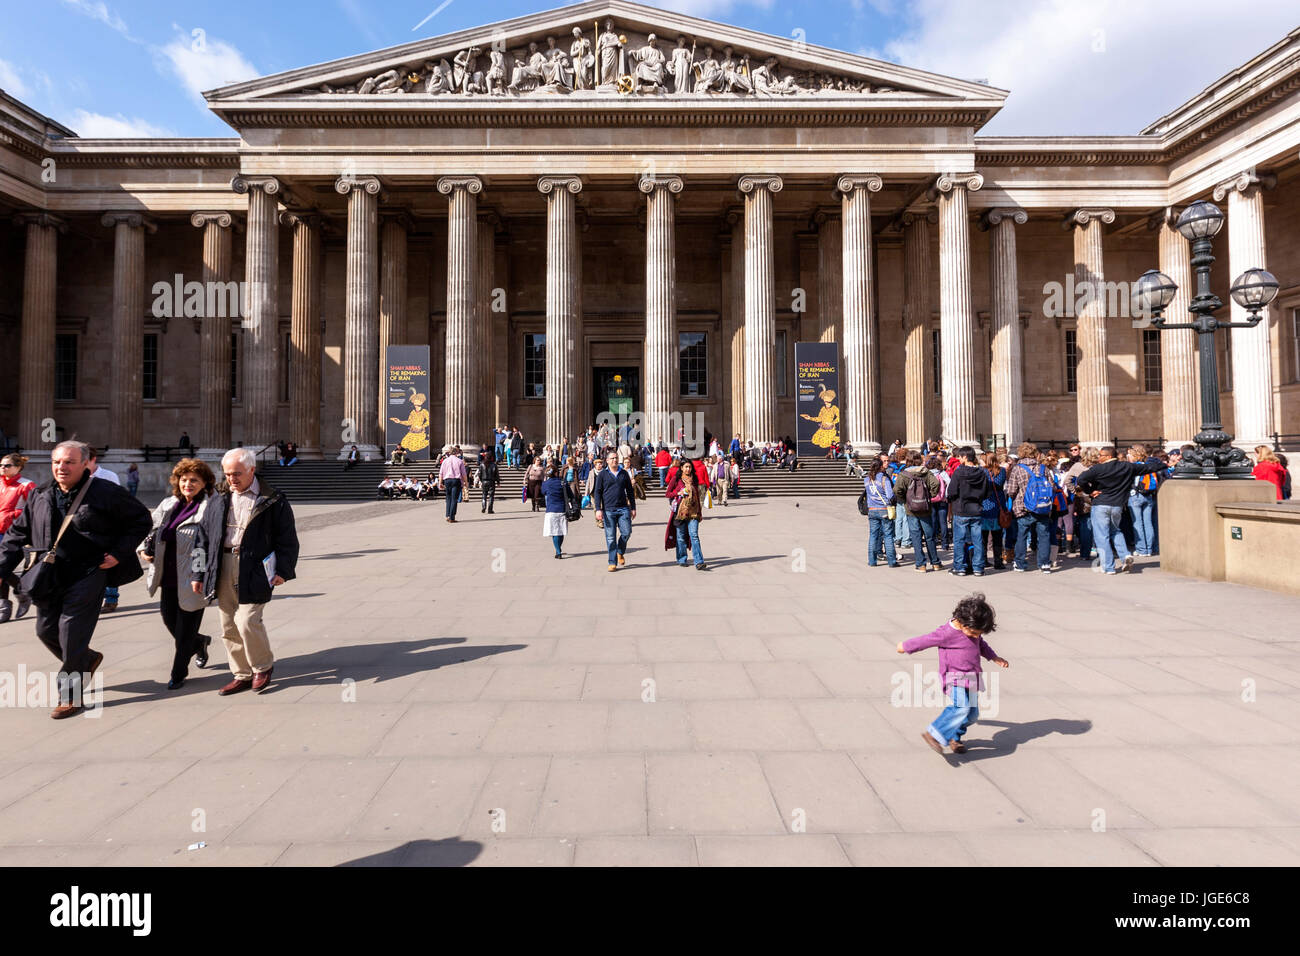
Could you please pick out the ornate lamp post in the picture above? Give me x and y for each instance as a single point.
(1254, 289)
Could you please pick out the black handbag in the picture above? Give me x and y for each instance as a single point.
(40, 581)
(572, 508)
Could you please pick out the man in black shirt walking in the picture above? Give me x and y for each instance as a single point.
(1108, 483)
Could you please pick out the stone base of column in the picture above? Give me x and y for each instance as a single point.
(126, 455)
(868, 449)
(1097, 444)
(363, 450)
(310, 454)
(972, 442)
(211, 454)
(467, 451)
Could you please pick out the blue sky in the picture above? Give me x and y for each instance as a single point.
(134, 67)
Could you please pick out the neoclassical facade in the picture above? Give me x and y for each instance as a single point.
(612, 193)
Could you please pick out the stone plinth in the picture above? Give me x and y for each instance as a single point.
(1191, 541)
(1266, 551)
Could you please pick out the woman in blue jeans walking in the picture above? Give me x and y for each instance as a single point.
(879, 488)
(684, 497)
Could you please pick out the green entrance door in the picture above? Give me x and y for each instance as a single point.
(615, 389)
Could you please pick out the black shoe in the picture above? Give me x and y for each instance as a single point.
(201, 657)
(175, 684)
(24, 605)
(701, 567)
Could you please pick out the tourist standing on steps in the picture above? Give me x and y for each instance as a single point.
(451, 478)
(14, 489)
(93, 528)
(615, 506)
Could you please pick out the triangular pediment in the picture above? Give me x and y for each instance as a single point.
(598, 53)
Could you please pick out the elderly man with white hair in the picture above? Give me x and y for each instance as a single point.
(258, 551)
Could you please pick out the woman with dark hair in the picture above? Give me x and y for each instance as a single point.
(556, 493)
(879, 488)
(533, 479)
(182, 554)
(686, 496)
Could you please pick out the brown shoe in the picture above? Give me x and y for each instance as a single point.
(613, 567)
(622, 560)
(234, 687)
(96, 658)
(107, 608)
(934, 744)
(261, 680)
(957, 746)
(65, 710)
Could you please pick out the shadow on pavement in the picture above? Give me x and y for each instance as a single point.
(344, 554)
(450, 852)
(1006, 741)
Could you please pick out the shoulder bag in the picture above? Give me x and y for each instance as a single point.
(39, 581)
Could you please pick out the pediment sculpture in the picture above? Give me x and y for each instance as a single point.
(606, 62)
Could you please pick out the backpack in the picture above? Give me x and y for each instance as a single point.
(1039, 491)
(917, 496)
(862, 504)
(1148, 483)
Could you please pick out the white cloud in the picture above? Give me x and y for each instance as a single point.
(11, 82)
(1105, 67)
(98, 10)
(94, 125)
(203, 63)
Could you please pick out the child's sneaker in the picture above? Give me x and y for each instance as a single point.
(934, 744)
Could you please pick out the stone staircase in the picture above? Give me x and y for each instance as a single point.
(327, 481)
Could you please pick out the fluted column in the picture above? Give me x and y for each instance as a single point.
(36, 349)
(1007, 383)
(735, 342)
(662, 359)
(462, 261)
(485, 373)
(956, 313)
(126, 401)
(1092, 380)
(1252, 363)
(760, 308)
(1179, 375)
(214, 336)
(860, 392)
(305, 335)
(563, 285)
(830, 275)
(917, 350)
(262, 316)
(394, 224)
(361, 316)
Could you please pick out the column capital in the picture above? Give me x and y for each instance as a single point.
(491, 219)
(993, 217)
(471, 184)
(911, 216)
(548, 184)
(824, 214)
(41, 219)
(947, 182)
(1082, 217)
(220, 217)
(1161, 217)
(1243, 182)
(300, 217)
(268, 184)
(749, 183)
(345, 184)
(397, 214)
(734, 215)
(134, 219)
(846, 183)
(648, 184)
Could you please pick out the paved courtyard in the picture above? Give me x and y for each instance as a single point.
(453, 695)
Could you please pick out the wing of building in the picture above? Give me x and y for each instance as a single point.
(611, 201)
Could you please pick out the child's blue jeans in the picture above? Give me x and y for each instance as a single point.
(961, 712)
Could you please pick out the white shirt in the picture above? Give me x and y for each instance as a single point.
(102, 472)
(241, 506)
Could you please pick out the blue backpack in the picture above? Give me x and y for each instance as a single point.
(1039, 491)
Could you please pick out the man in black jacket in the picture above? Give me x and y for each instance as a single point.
(258, 551)
(1108, 483)
(615, 502)
(968, 486)
(97, 551)
(488, 477)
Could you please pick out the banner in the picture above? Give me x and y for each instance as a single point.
(406, 403)
(817, 404)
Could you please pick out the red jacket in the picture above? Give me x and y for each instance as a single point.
(663, 459)
(1271, 471)
(13, 496)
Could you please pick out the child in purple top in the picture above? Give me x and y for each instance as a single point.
(961, 645)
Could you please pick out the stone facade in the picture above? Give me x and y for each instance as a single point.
(699, 208)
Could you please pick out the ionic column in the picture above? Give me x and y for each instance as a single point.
(36, 349)
(1252, 364)
(361, 315)
(1093, 378)
(214, 337)
(830, 275)
(662, 360)
(394, 224)
(859, 396)
(462, 256)
(126, 401)
(956, 314)
(917, 357)
(305, 335)
(262, 316)
(563, 286)
(735, 342)
(485, 376)
(1007, 383)
(760, 308)
(1179, 372)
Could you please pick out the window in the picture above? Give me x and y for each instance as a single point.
(234, 367)
(781, 390)
(1071, 360)
(535, 366)
(149, 378)
(286, 355)
(65, 368)
(936, 361)
(692, 351)
(1151, 376)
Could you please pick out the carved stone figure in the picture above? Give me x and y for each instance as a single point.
(583, 61)
(735, 77)
(466, 76)
(532, 74)
(438, 78)
(767, 83)
(386, 82)
(496, 74)
(649, 69)
(680, 66)
(607, 49)
(708, 73)
(559, 69)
